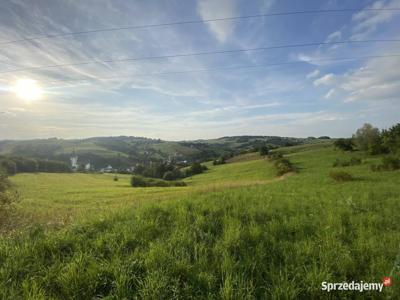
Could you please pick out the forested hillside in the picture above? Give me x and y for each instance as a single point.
(124, 151)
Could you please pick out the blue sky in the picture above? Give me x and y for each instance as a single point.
(311, 98)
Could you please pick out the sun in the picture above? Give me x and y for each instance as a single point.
(28, 89)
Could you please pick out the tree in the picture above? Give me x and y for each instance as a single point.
(169, 175)
(8, 166)
(344, 144)
(196, 168)
(264, 150)
(138, 181)
(368, 138)
(391, 138)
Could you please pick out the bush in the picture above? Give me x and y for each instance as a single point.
(4, 186)
(275, 156)
(264, 150)
(355, 161)
(195, 168)
(115, 178)
(341, 176)
(391, 139)
(219, 161)
(169, 175)
(8, 166)
(283, 166)
(7, 197)
(389, 163)
(139, 181)
(343, 163)
(344, 144)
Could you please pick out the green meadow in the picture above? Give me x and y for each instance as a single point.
(237, 231)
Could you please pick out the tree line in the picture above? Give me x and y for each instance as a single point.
(372, 140)
(14, 165)
(169, 171)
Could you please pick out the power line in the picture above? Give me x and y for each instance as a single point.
(197, 54)
(236, 67)
(134, 27)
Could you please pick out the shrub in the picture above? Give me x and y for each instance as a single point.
(139, 181)
(8, 166)
(283, 166)
(7, 197)
(219, 161)
(389, 163)
(275, 156)
(115, 178)
(169, 175)
(341, 176)
(195, 168)
(340, 163)
(344, 163)
(355, 161)
(344, 144)
(391, 139)
(264, 150)
(4, 186)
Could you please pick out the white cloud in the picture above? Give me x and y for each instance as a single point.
(313, 74)
(366, 22)
(211, 9)
(377, 81)
(334, 36)
(325, 80)
(329, 94)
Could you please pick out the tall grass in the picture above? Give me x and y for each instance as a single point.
(272, 241)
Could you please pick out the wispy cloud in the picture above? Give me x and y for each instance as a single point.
(210, 9)
(313, 74)
(324, 80)
(367, 22)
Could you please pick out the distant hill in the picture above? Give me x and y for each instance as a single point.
(123, 151)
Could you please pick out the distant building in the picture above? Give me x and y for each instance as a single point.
(130, 169)
(108, 169)
(74, 161)
(88, 166)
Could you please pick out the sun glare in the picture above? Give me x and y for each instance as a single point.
(28, 89)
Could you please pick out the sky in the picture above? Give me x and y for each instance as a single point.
(174, 98)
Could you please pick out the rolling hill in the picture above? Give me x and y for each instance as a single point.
(125, 151)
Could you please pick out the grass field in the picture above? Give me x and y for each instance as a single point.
(235, 232)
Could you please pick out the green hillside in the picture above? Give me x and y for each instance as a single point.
(123, 151)
(235, 232)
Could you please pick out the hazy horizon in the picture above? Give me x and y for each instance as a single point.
(156, 138)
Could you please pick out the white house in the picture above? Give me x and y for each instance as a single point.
(88, 166)
(108, 169)
(74, 162)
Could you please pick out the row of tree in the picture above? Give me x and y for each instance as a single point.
(372, 140)
(13, 165)
(169, 171)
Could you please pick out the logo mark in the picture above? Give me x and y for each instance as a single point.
(387, 281)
